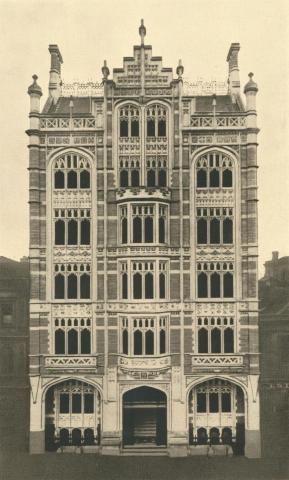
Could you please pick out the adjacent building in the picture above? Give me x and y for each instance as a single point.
(14, 330)
(274, 347)
(143, 260)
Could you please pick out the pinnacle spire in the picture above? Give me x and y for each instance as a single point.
(142, 31)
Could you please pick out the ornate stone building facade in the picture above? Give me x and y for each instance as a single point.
(143, 251)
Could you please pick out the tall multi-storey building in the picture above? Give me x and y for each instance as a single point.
(143, 253)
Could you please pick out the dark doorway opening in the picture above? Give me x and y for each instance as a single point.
(144, 418)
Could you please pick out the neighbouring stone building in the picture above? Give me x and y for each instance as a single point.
(143, 259)
(14, 330)
(274, 348)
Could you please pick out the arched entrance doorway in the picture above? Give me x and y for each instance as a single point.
(72, 415)
(144, 417)
(216, 413)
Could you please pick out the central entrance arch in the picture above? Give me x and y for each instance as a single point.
(144, 417)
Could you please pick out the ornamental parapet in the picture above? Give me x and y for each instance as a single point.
(143, 193)
(223, 360)
(143, 251)
(144, 363)
(67, 362)
(217, 121)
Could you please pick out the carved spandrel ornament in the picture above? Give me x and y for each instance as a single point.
(215, 309)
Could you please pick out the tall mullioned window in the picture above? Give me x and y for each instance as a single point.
(143, 223)
(156, 121)
(215, 335)
(129, 121)
(72, 227)
(214, 226)
(71, 281)
(144, 336)
(215, 280)
(72, 172)
(72, 336)
(214, 170)
(143, 280)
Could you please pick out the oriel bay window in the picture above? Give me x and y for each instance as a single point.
(143, 223)
(214, 226)
(214, 170)
(72, 336)
(72, 227)
(71, 281)
(215, 280)
(143, 280)
(71, 171)
(144, 336)
(215, 335)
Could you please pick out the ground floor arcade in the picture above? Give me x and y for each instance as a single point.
(79, 412)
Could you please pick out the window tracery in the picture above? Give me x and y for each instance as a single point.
(144, 336)
(215, 280)
(72, 336)
(214, 170)
(143, 279)
(215, 335)
(71, 281)
(71, 171)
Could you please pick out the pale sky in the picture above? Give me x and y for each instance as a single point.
(197, 31)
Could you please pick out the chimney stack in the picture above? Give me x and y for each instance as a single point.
(234, 78)
(55, 72)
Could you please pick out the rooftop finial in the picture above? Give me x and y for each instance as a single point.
(34, 88)
(105, 70)
(180, 69)
(142, 31)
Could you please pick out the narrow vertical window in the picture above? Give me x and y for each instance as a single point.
(161, 230)
(72, 342)
(213, 402)
(201, 178)
(202, 231)
(135, 128)
(123, 128)
(85, 341)
(64, 403)
(72, 286)
(151, 178)
(124, 178)
(137, 230)
(227, 178)
(228, 285)
(202, 285)
(125, 342)
(226, 402)
(124, 285)
(149, 285)
(59, 286)
(137, 342)
(215, 231)
(84, 179)
(72, 179)
(201, 403)
(137, 286)
(59, 232)
(72, 232)
(59, 339)
(151, 128)
(162, 341)
(59, 179)
(85, 232)
(162, 130)
(85, 286)
(162, 285)
(228, 340)
(124, 230)
(149, 342)
(76, 403)
(162, 178)
(203, 340)
(149, 230)
(214, 178)
(215, 340)
(228, 231)
(135, 178)
(215, 285)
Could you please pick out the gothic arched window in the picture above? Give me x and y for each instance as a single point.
(137, 342)
(151, 178)
(201, 178)
(162, 285)
(84, 285)
(72, 179)
(59, 232)
(85, 232)
(149, 342)
(84, 179)
(227, 178)
(228, 231)
(215, 231)
(125, 342)
(124, 178)
(72, 232)
(215, 285)
(59, 340)
(85, 343)
(228, 285)
(124, 230)
(228, 340)
(214, 178)
(202, 285)
(161, 230)
(59, 286)
(137, 230)
(149, 230)
(202, 231)
(72, 286)
(59, 179)
(216, 340)
(135, 178)
(137, 286)
(72, 341)
(203, 340)
(149, 285)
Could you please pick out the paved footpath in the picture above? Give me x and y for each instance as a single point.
(86, 467)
